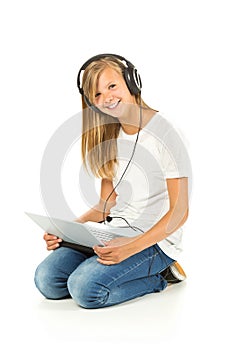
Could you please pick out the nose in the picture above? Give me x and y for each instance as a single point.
(107, 98)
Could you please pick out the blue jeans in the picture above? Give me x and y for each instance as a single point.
(67, 272)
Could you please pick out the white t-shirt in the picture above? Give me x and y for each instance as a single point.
(142, 196)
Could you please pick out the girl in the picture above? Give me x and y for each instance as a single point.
(145, 171)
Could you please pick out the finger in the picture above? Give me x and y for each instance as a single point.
(107, 257)
(102, 250)
(111, 243)
(54, 241)
(49, 237)
(51, 245)
(105, 262)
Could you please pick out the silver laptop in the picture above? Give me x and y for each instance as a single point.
(87, 234)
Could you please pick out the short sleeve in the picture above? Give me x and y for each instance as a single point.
(175, 160)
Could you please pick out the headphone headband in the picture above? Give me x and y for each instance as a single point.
(131, 76)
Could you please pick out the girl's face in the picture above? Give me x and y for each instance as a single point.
(112, 95)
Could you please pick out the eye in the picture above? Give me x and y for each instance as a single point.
(97, 94)
(112, 86)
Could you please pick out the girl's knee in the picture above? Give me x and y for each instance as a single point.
(48, 284)
(41, 280)
(87, 293)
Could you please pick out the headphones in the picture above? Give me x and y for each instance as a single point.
(131, 76)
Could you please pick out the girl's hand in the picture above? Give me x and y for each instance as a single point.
(115, 251)
(52, 241)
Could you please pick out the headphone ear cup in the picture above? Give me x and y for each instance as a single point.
(133, 80)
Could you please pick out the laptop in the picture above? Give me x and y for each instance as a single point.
(86, 234)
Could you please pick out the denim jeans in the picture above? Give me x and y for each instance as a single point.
(70, 273)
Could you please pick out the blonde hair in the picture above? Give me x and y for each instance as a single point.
(100, 131)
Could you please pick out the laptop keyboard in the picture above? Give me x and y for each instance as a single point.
(102, 235)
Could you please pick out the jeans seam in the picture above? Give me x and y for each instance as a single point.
(103, 288)
(131, 269)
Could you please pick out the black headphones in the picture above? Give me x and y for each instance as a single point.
(131, 76)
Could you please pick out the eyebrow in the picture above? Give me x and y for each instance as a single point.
(109, 83)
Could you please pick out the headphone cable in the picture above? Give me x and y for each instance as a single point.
(127, 166)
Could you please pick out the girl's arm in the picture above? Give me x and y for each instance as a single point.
(123, 248)
(96, 213)
(173, 219)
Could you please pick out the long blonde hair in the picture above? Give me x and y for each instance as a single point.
(100, 131)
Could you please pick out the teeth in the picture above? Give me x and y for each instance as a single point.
(113, 105)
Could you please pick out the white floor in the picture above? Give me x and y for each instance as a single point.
(190, 315)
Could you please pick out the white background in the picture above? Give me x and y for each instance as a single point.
(183, 52)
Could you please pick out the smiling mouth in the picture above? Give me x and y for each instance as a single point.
(113, 105)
